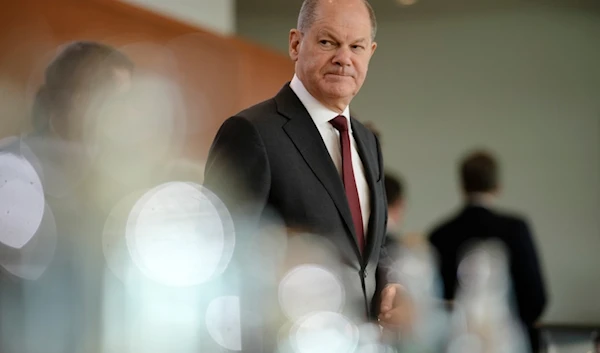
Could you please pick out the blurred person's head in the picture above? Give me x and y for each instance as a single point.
(596, 341)
(331, 48)
(479, 175)
(394, 190)
(76, 82)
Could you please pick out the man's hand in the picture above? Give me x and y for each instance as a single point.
(397, 309)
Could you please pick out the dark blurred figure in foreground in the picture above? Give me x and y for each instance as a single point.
(51, 295)
(480, 221)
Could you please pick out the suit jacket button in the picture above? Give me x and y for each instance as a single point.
(364, 273)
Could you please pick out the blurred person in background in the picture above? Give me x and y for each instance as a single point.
(479, 220)
(302, 155)
(415, 266)
(76, 83)
(596, 342)
(394, 190)
(59, 304)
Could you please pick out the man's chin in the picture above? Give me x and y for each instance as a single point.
(339, 92)
(334, 79)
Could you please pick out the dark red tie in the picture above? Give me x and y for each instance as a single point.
(341, 124)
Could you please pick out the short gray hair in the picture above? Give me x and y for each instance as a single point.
(308, 13)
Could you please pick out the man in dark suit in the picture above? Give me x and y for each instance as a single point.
(480, 221)
(303, 157)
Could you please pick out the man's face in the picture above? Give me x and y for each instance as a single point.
(396, 215)
(332, 56)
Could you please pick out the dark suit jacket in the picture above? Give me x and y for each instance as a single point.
(479, 223)
(271, 157)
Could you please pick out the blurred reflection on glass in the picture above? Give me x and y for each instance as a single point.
(53, 307)
(483, 318)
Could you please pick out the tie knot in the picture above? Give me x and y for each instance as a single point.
(340, 123)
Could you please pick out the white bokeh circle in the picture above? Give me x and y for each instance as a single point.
(180, 234)
(223, 322)
(22, 200)
(375, 348)
(114, 243)
(32, 260)
(324, 332)
(310, 288)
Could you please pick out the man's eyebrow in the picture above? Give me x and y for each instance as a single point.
(328, 33)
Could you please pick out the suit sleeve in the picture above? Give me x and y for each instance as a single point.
(237, 170)
(527, 276)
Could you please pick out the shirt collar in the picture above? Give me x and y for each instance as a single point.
(320, 114)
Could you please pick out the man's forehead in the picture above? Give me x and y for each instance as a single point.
(345, 28)
(357, 16)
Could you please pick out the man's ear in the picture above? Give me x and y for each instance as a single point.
(294, 47)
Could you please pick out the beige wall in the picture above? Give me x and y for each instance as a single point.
(524, 82)
(215, 15)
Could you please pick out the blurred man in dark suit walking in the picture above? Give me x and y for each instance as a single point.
(480, 221)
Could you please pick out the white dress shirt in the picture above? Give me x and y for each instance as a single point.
(321, 116)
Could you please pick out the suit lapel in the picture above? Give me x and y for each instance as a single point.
(367, 158)
(306, 137)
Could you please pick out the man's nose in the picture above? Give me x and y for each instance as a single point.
(343, 57)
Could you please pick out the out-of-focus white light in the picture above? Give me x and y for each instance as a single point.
(484, 268)
(375, 348)
(416, 272)
(310, 288)
(31, 260)
(369, 333)
(324, 332)
(180, 234)
(482, 316)
(148, 113)
(21, 200)
(62, 164)
(114, 243)
(223, 322)
(467, 343)
(140, 129)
